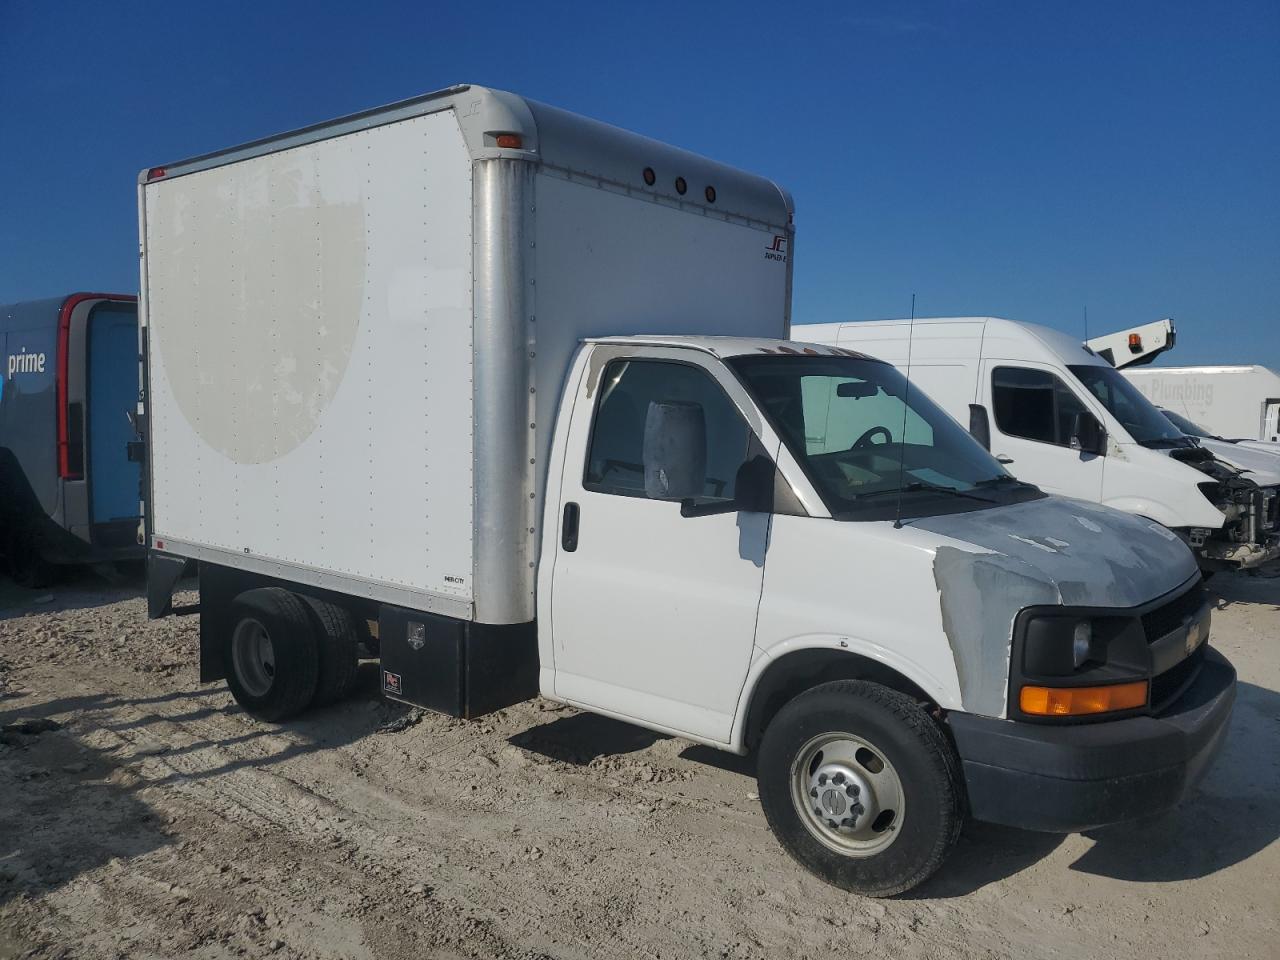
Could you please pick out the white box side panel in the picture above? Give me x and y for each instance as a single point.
(310, 322)
(608, 264)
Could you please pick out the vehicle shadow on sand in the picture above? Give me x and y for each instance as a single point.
(1232, 589)
(66, 809)
(1229, 816)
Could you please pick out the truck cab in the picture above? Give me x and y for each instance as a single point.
(1065, 419)
(740, 549)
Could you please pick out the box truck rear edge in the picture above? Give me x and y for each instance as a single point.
(515, 384)
(69, 492)
(1236, 402)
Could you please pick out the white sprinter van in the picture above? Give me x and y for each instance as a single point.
(1064, 419)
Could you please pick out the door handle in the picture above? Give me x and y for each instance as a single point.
(569, 528)
(1001, 458)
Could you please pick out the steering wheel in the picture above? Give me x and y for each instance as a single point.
(864, 441)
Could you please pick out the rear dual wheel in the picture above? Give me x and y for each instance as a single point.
(861, 786)
(286, 653)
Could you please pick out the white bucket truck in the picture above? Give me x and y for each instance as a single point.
(1065, 419)
(461, 366)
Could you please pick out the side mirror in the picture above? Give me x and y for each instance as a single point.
(980, 425)
(752, 492)
(1088, 435)
(675, 450)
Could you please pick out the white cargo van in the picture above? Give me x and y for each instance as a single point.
(1237, 402)
(461, 366)
(1066, 420)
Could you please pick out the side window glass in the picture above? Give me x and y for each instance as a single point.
(615, 461)
(1068, 405)
(1034, 405)
(1024, 403)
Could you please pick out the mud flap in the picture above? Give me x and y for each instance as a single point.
(164, 570)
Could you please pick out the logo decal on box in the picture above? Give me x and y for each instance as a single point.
(391, 682)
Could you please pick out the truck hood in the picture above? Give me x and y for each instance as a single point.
(1263, 466)
(1039, 553)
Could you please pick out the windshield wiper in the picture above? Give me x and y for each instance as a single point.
(1002, 478)
(1168, 443)
(916, 485)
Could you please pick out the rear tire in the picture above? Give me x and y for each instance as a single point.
(338, 639)
(861, 786)
(272, 661)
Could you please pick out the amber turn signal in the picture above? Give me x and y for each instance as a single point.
(1081, 701)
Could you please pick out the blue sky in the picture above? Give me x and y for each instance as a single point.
(1025, 159)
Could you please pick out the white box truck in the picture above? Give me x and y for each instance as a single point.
(512, 384)
(1065, 419)
(1236, 402)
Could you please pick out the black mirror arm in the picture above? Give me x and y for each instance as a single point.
(692, 508)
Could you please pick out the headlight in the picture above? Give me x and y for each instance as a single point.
(1078, 665)
(1081, 642)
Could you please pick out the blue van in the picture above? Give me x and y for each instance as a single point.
(69, 490)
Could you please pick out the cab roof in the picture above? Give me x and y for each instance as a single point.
(725, 347)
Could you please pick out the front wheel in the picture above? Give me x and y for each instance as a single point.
(861, 786)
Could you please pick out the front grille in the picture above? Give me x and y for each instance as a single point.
(1169, 685)
(1163, 620)
(1269, 516)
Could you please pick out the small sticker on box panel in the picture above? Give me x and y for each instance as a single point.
(391, 682)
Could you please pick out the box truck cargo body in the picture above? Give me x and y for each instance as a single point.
(69, 492)
(514, 384)
(368, 306)
(1235, 402)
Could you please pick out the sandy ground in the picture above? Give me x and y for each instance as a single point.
(158, 820)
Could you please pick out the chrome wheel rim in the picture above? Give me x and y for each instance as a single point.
(848, 794)
(253, 657)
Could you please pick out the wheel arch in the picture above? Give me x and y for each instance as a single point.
(796, 671)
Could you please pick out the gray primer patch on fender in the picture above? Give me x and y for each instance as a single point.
(1051, 551)
(981, 593)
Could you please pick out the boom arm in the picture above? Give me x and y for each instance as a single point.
(1135, 346)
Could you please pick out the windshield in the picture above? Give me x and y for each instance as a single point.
(1185, 425)
(1138, 415)
(843, 419)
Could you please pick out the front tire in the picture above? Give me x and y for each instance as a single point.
(271, 658)
(861, 786)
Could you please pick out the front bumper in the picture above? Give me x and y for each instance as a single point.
(1218, 555)
(1063, 779)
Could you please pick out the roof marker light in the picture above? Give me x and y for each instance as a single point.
(649, 176)
(510, 141)
(1135, 342)
(710, 194)
(681, 186)
(155, 173)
